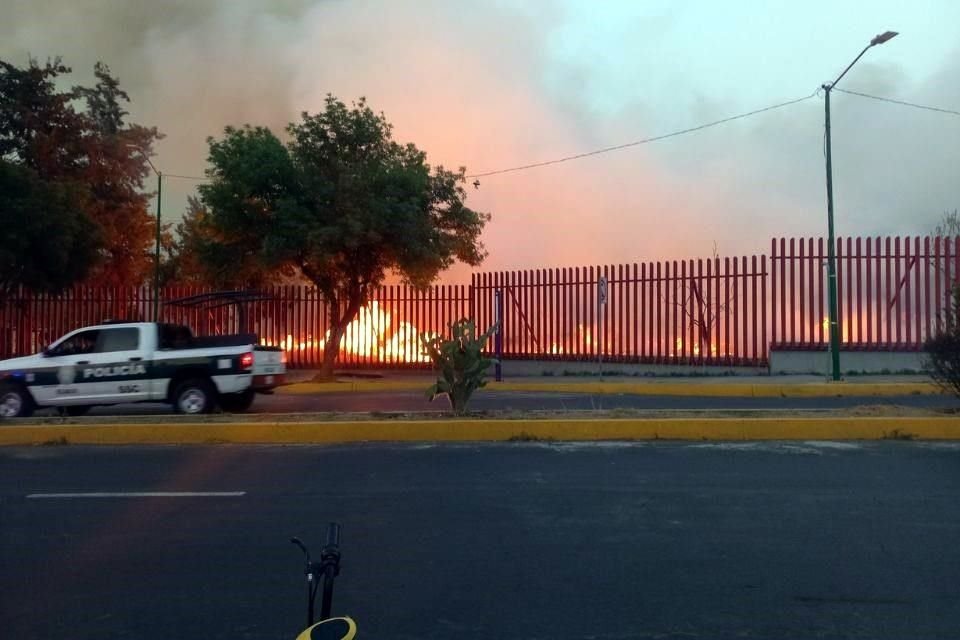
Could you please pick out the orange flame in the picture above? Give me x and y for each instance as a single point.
(370, 335)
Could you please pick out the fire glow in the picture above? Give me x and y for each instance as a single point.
(371, 335)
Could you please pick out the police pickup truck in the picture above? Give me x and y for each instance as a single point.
(117, 363)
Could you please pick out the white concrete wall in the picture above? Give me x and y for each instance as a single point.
(526, 368)
(818, 362)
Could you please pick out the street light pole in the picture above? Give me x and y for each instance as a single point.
(833, 308)
(156, 255)
(156, 251)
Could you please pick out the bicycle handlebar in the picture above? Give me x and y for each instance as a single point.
(333, 535)
(325, 570)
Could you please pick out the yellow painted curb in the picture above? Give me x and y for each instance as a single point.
(717, 389)
(463, 430)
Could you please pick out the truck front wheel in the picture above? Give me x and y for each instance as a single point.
(194, 396)
(15, 402)
(236, 402)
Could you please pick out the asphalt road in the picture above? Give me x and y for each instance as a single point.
(526, 540)
(414, 401)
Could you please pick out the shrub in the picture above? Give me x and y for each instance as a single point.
(943, 348)
(460, 362)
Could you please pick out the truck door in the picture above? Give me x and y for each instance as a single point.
(61, 382)
(118, 366)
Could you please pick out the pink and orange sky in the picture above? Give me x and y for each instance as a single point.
(499, 83)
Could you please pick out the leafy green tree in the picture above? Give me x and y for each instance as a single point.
(47, 242)
(115, 170)
(78, 139)
(342, 203)
(39, 128)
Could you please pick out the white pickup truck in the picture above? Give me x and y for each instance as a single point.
(117, 363)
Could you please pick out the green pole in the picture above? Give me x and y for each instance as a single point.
(156, 255)
(831, 250)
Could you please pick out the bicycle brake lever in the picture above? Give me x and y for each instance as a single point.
(302, 546)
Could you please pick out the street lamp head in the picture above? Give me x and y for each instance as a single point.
(883, 37)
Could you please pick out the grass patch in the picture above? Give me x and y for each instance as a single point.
(56, 442)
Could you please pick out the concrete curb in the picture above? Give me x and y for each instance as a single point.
(715, 389)
(466, 430)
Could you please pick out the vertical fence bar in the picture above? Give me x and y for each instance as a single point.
(918, 264)
(560, 322)
(868, 258)
(580, 338)
(783, 289)
(710, 334)
(727, 342)
(658, 306)
(937, 262)
(753, 304)
(937, 274)
(878, 267)
(609, 314)
(550, 309)
(540, 311)
(675, 334)
(644, 341)
(520, 304)
(859, 269)
(773, 289)
(896, 294)
(793, 292)
(557, 297)
(888, 298)
(684, 287)
(764, 345)
(820, 289)
(746, 309)
(593, 315)
(908, 264)
(849, 271)
(928, 319)
(736, 304)
(812, 321)
(802, 329)
(841, 289)
(622, 305)
(699, 331)
(640, 308)
(636, 336)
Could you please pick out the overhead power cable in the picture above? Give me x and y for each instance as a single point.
(643, 141)
(173, 175)
(900, 102)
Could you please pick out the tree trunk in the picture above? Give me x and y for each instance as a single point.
(331, 349)
(338, 325)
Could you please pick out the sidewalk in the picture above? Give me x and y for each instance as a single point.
(738, 386)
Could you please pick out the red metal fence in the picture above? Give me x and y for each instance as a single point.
(692, 311)
(386, 332)
(893, 292)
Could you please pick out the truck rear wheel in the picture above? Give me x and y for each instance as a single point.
(15, 402)
(193, 397)
(236, 402)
